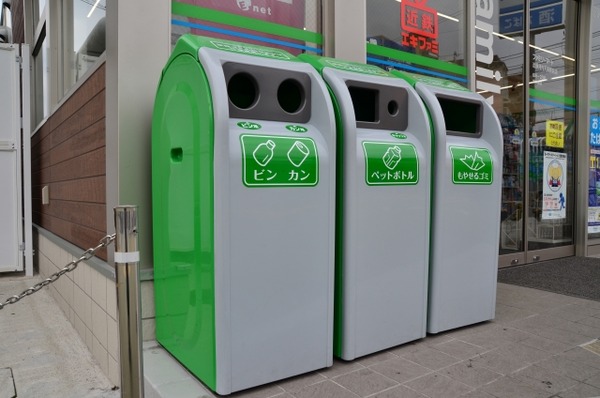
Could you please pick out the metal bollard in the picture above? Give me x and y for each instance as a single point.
(127, 259)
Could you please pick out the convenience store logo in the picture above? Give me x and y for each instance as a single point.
(484, 15)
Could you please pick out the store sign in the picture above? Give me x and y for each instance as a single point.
(554, 201)
(544, 14)
(486, 78)
(419, 26)
(285, 12)
(555, 134)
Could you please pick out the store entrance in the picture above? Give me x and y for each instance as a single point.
(537, 112)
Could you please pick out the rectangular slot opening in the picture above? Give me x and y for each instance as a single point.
(462, 117)
(364, 101)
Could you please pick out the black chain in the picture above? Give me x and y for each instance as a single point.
(88, 254)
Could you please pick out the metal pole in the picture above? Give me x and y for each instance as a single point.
(127, 259)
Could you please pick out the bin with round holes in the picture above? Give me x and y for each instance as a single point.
(243, 173)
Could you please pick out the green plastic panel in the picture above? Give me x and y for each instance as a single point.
(183, 224)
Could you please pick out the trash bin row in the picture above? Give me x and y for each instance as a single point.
(308, 206)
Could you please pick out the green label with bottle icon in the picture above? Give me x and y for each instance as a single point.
(391, 163)
(274, 161)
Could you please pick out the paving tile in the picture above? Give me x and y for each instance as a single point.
(581, 329)
(507, 313)
(573, 312)
(499, 363)
(545, 302)
(536, 323)
(459, 349)
(7, 387)
(564, 336)
(581, 390)
(299, 382)
(266, 391)
(376, 358)
(590, 321)
(594, 380)
(364, 382)
(523, 353)
(470, 373)
(575, 370)
(581, 355)
(398, 392)
(325, 389)
(340, 367)
(429, 358)
(508, 387)
(400, 369)
(435, 385)
(495, 337)
(541, 343)
(433, 339)
(544, 380)
(477, 394)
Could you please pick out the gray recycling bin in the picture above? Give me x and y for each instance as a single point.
(384, 183)
(243, 164)
(466, 204)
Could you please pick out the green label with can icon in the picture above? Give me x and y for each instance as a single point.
(390, 163)
(274, 161)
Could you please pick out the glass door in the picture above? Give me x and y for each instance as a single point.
(551, 196)
(538, 195)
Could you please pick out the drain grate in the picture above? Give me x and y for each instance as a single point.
(7, 384)
(594, 347)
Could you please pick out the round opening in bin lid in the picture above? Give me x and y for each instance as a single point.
(242, 90)
(393, 108)
(290, 96)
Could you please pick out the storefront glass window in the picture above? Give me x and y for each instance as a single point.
(499, 78)
(594, 170)
(292, 25)
(426, 37)
(84, 38)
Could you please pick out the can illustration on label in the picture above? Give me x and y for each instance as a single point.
(298, 153)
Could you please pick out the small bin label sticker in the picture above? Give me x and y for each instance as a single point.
(472, 166)
(390, 163)
(275, 161)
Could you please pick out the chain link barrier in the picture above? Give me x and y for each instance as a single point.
(88, 254)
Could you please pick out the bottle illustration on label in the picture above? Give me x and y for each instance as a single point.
(298, 153)
(392, 157)
(264, 153)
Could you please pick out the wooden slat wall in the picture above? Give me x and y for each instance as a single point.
(18, 21)
(68, 155)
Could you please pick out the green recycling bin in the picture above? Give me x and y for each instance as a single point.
(243, 184)
(384, 184)
(466, 203)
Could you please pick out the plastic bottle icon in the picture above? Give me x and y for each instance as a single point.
(392, 157)
(298, 153)
(264, 153)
